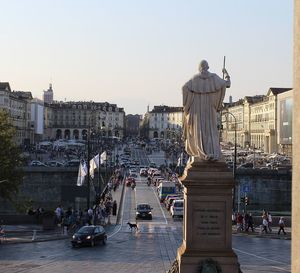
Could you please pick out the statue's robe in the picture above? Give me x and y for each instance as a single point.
(202, 98)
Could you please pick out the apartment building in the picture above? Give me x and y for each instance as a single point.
(73, 120)
(254, 121)
(18, 105)
(164, 122)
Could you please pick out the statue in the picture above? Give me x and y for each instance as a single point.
(202, 98)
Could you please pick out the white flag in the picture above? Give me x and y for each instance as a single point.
(178, 161)
(82, 172)
(96, 159)
(94, 162)
(103, 157)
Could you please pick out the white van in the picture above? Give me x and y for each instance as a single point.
(177, 208)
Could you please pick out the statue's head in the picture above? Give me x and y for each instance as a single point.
(203, 66)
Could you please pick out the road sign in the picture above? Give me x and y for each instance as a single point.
(246, 188)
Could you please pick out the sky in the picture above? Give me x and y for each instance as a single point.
(136, 53)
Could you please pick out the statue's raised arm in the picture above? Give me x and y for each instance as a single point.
(203, 97)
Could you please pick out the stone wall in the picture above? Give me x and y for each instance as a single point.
(50, 187)
(266, 189)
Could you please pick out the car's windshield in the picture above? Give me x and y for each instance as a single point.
(143, 206)
(178, 204)
(86, 230)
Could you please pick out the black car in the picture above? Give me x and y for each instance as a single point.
(89, 235)
(143, 211)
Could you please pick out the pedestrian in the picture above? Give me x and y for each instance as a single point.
(240, 219)
(233, 219)
(58, 213)
(281, 226)
(269, 219)
(250, 223)
(114, 208)
(246, 220)
(264, 225)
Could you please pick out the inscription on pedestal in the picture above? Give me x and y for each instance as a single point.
(209, 223)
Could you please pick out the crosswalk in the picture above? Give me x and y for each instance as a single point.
(152, 229)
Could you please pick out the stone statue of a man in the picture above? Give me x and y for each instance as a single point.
(202, 98)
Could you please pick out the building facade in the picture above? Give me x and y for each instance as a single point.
(73, 120)
(164, 122)
(285, 122)
(132, 125)
(18, 105)
(254, 121)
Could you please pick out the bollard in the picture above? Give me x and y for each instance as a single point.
(34, 235)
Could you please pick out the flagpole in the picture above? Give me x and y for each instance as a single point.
(224, 65)
(99, 173)
(88, 171)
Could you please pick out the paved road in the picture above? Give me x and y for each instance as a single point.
(151, 249)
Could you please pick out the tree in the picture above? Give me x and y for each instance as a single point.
(10, 160)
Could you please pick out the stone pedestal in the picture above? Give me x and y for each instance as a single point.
(207, 218)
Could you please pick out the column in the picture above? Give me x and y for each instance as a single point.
(296, 143)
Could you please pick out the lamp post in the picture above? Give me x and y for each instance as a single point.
(235, 157)
(88, 171)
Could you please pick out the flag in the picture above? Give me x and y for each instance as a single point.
(94, 164)
(103, 157)
(82, 172)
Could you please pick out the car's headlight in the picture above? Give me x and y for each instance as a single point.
(88, 237)
(137, 212)
(73, 237)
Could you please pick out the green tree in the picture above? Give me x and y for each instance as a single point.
(10, 160)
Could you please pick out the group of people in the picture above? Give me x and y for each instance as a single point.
(245, 221)
(97, 215)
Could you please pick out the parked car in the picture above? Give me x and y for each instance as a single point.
(246, 165)
(37, 163)
(170, 201)
(72, 163)
(54, 163)
(143, 172)
(143, 211)
(89, 235)
(177, 208)
(170, 196)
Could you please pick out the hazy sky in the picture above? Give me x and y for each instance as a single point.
(136, 53)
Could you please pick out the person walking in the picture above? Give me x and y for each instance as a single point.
(281, 226)
(114, 208)
(269, 219)
(240, 220)
(264, 225)
(250, 223)
(59, 214)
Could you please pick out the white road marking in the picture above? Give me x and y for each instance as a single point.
(122, 213)
(166, 221)
(263, 258)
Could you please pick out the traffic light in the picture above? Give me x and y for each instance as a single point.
(246, 200)
(242, 199)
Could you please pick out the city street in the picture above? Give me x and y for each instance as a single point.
(151, 249)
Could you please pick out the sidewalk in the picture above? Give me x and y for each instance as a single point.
(258, 234)
(35, 233)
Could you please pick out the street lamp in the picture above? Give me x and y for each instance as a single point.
(235, 154)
